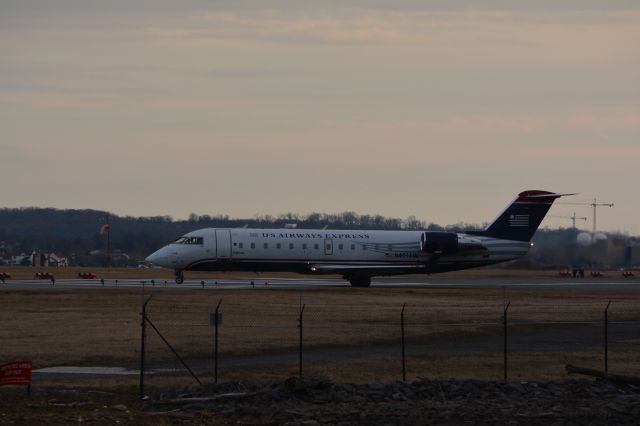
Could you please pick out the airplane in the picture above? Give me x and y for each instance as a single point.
(358, 255)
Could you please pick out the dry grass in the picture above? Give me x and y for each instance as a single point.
(102, 325)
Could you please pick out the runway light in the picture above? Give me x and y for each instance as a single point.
(531, 244)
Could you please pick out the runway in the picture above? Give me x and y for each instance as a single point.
(603, 284)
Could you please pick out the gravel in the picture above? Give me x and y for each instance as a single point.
(321, 401)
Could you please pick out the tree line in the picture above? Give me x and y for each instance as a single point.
(76, 233)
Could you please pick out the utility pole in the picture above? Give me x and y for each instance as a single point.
(109, 247)
(106, 229)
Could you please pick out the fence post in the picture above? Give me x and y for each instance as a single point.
(166, 342)
(606, 339)
(217, 322)
(300, 351)
(143, 325)
(504, 318)
(404, 365)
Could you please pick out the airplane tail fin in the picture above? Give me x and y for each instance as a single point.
(520, 220)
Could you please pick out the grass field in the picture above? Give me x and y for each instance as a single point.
(101, 326)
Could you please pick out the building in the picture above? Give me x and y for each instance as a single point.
(39, 259)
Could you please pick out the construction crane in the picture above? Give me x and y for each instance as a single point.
(573, 218)
(594, 205)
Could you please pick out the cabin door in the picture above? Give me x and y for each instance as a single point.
(328, 246)
(223, 243)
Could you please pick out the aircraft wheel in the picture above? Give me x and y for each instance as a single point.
(360, 281)
(179, 277)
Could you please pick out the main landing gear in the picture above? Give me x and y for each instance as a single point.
(179, 277)
(359, 281)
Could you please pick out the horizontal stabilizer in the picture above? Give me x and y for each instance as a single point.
(551, 195)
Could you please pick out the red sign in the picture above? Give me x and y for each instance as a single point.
(15, 373)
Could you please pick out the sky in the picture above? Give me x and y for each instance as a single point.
(442, 110)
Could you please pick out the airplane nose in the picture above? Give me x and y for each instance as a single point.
(153, 257)
(164, 257)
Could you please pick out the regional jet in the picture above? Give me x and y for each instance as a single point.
(358, 255)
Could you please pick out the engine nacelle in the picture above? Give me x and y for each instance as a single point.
(439, 242)
(448, 242)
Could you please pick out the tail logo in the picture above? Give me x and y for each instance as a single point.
(519, 220)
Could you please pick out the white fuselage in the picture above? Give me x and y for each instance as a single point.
(345, 252)
(360, 255)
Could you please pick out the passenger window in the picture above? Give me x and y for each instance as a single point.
(304, 246)
(278, 246)
(266, 245)
(353, 246)
(364, 247)
(253, 245)
(291, 246)
(240, 245)
(340, 246)
(316, 247)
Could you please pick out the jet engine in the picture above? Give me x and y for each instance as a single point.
(448, 242)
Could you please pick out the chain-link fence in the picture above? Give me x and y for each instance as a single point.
(349, 334)
(462, 338)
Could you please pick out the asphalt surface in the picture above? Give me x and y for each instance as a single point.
(588, 283)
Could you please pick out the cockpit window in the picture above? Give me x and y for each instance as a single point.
(189, 240)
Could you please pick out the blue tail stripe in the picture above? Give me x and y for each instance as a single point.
(518, 222)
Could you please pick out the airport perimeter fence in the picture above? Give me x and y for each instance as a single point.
(520, 340)
(349, 335)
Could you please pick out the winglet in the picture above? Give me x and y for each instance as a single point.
(539, 196)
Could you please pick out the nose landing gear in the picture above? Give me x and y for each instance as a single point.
(179, 277)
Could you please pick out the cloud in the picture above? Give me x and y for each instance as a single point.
(486, 37)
